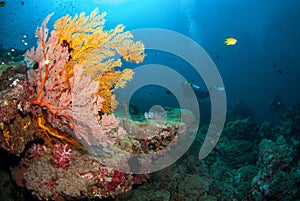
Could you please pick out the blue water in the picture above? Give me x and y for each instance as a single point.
(264, 62)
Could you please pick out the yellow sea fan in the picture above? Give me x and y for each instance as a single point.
(124, 76)
(70, 29)
(110, 81)
(87, 39)
(99, 51)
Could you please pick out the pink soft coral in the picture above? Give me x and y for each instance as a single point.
(62, 155)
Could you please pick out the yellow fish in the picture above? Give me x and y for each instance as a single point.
(230, 41)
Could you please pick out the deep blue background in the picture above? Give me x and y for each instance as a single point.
(267, 32)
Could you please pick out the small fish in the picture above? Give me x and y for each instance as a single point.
(279, 71)
(219, 88)
(168, 92)
(2, 3)
(230, 41)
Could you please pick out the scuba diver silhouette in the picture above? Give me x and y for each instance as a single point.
(277, 105)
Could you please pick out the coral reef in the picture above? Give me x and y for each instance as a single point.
(263, 168)
(83, 177)
(70, 87)
(275, 171)
(79, 42)
(17, 127)
(74, 73)
(58, 123)
(14, 137)
(16, 94)
(53, 171)
(240, 129)
(149, 194)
